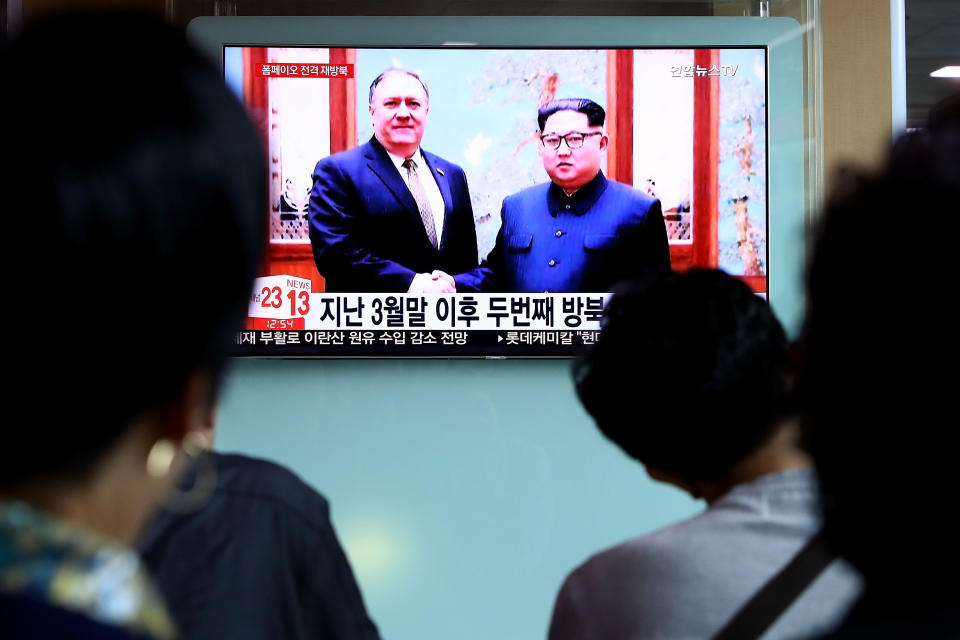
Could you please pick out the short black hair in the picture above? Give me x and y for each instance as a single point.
(596, 116)
(136, 194)
(689, 373)
(882, 338)
(386, 72)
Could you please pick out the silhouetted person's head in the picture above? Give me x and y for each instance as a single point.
(945, 116)
(688, 376)
(879, 384)
(135, 192)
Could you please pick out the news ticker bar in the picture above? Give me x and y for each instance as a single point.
(421, 343)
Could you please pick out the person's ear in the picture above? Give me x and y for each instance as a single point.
(190, 409)
(604, 141)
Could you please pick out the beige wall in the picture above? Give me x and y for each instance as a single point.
(857, 111)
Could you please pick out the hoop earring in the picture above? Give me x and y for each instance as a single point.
(160, 459)
(201, 468)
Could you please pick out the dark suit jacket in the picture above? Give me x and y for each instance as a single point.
(549, 241)
(260, 561)
(366, 230)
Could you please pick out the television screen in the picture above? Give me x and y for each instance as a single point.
(485, 201)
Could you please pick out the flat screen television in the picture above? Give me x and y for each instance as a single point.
(703, 131)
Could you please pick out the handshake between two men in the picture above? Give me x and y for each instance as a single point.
(436, 282)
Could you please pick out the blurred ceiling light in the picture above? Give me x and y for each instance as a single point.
(952, 71)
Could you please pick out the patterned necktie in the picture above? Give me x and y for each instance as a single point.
(416, 188)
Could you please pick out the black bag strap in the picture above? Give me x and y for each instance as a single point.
(767, 604)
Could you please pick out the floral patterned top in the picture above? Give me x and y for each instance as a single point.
(57, 562)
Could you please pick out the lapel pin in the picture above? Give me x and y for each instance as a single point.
(439, 170)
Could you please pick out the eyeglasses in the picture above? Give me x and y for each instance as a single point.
(574, 139)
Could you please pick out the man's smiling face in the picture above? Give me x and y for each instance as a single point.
(399, 113)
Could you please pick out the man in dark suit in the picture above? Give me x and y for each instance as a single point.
(579, 232)
(248, 535)
(388, 216)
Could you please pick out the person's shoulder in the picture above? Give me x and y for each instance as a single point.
(625, 581)
(536, 192)
(265, 481)
(349, 158)
(642, 554)
(239, 471)
(668, 553)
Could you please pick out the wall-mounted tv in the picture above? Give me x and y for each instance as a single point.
(484, 195)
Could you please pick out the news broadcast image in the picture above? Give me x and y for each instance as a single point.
(685, 127)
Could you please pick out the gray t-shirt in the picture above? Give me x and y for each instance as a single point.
(688, 579)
